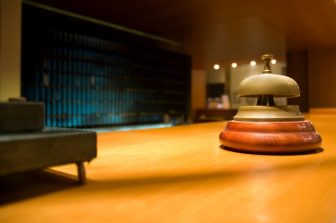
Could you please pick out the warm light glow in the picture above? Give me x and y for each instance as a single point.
(234, 65)
(273, 61)
(253, 63)
(216, 66)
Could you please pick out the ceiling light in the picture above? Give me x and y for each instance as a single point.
(253, 63)
(216, 66)
(234, 65)
(273, 61)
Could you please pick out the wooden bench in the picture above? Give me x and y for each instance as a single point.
(21, 152)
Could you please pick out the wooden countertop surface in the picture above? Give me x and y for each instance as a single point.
(180, 174)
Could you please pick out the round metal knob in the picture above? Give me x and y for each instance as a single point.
(267, 58)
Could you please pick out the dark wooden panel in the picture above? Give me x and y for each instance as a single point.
(297, 68)
(322, 78)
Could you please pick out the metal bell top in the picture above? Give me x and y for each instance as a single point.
(268, 83)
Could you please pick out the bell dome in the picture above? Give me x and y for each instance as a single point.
(269, 84)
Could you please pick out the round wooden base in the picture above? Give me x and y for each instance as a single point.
(290, 137)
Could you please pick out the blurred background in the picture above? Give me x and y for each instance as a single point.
(132, 63)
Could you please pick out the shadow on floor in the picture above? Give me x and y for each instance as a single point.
(23, 186)
(26, 185)
(252, 171)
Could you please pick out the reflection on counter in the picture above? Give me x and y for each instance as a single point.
(210, 115)
(130, 127)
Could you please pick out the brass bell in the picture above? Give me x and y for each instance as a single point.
(267, 127)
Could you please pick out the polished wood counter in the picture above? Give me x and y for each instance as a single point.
(180, 174)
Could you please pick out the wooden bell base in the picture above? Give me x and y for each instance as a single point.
(290, 137)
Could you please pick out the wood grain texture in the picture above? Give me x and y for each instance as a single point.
(180, 174)
(271, 137)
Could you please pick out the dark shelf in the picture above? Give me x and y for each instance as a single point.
(91, 75)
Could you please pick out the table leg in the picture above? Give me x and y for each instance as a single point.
(81, 172)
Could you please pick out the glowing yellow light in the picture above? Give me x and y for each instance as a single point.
(253, 63)
(234, 65)
(273, 61)
(216, 66)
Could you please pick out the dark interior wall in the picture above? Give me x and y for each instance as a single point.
(315, 72)
(297, 68)
(322, 78)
